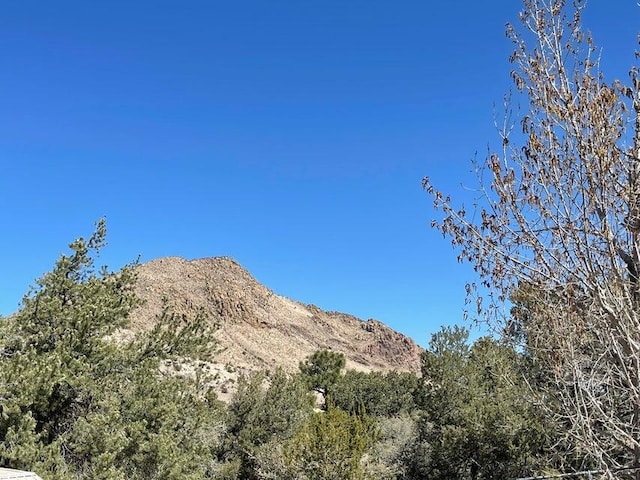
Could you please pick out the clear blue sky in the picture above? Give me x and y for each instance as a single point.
(290, 135)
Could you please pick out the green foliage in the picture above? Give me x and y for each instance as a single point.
(390, 456)
(477, 422)
(322, 370)
(259, 415)
(379, 394)
(76, 404)
(330, 445)
(153, 427)
(79, 400)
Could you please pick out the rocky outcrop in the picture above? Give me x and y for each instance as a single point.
(260, 329)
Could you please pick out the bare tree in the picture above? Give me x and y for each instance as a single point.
(556, 227)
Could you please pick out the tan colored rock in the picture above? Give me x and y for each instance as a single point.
(260, 329)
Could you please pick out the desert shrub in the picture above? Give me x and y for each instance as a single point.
(390, 455)
(330, 445)
(261, 413)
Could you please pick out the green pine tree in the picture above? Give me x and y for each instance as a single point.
(77, 403)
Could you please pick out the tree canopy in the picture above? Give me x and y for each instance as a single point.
(78, 404)
(476, 421)
(322, 370)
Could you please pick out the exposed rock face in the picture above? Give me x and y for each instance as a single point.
(260, 329)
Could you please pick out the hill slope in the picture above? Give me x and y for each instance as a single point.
(260, 329)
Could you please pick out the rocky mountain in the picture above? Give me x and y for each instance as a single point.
(260, 329)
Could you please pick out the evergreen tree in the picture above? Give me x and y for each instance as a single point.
(77, 403)
(476, 420)
(330, 446)
(322, 370)
(379, 394)
(261, 418)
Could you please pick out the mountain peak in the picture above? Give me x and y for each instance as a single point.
(260, 329)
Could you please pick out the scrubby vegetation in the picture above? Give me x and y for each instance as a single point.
(82, 401)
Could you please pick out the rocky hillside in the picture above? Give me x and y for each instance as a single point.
(260, 329)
